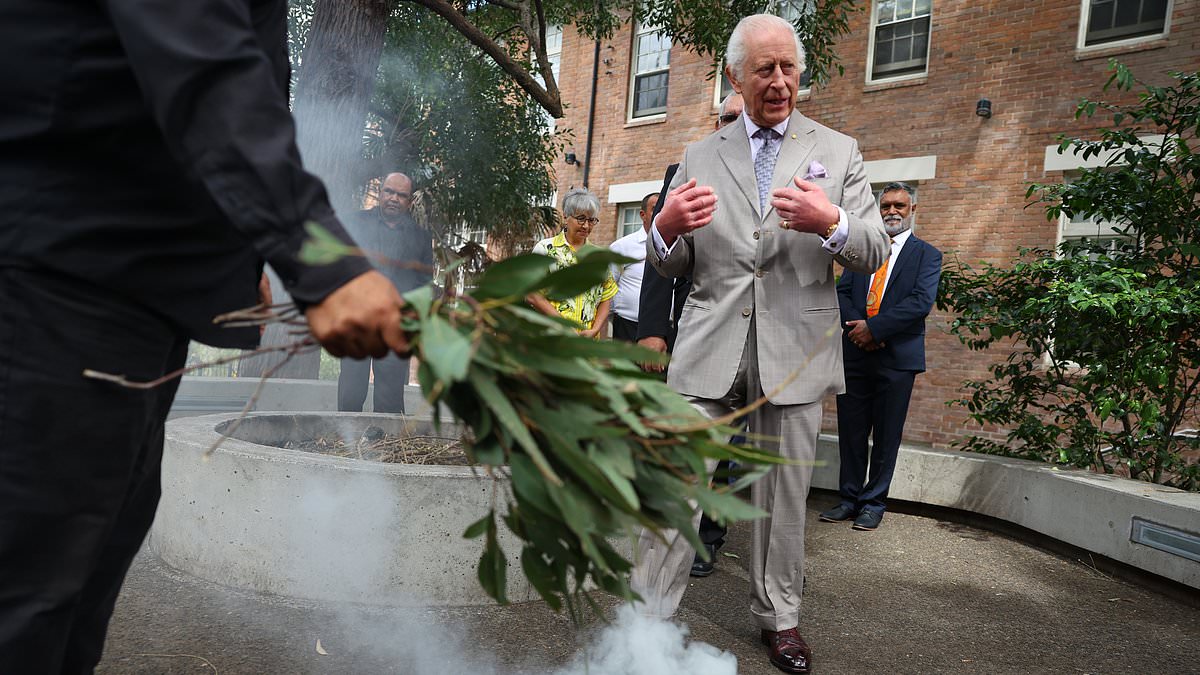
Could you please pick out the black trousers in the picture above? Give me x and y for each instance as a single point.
(875, 405)
(624, 329)
(79, 462)
(391, 376)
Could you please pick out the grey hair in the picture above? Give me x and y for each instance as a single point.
(579, 201)
(735, 52)
(898, 185)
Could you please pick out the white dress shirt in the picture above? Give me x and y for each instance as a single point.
(629, 277)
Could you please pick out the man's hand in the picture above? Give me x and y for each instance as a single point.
(657, 344)
(360, 319)
(861, 336)
(804, 208)
(589, 332)
(264, 298)
(687, 208)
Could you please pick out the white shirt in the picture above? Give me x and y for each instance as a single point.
(897, 244)
(629, 277)
(836, 241)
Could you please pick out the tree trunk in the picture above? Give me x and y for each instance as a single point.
(336, 80)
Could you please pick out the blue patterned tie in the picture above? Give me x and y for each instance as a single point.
(764, 165)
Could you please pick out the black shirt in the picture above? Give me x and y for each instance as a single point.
(406, 243)
(146, 146)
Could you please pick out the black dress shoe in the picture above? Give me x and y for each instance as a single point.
(867, 520)
(789, 652)
(837, 514)
(702, 567)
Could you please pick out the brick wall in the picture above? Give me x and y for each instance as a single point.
(1020, 55)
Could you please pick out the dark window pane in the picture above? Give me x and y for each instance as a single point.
(1154, 10)
(650, 94)
(1127, 12)
(1102, 17)
(920, 45)
(902, 50)
(884, 33)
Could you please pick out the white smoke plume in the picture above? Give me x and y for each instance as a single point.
(639, 645)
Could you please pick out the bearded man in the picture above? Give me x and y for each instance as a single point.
(883, 343)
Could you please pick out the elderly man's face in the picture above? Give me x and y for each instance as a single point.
(395, 197)
(897, 209)
(770, 76)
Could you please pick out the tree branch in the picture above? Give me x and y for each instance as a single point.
(547, 97)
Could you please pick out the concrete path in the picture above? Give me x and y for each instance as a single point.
(917, 596)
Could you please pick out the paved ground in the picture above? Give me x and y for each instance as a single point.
(917, 596)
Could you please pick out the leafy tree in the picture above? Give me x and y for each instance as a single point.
(1105, 367)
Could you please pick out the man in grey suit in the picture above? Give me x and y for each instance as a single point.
(757, 213)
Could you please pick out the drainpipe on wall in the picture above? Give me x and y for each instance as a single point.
(587, 153)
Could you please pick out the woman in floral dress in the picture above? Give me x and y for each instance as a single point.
(588, 310)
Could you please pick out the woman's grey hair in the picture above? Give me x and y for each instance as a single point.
(735, 53)
(578, 201)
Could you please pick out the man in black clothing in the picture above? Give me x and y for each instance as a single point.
(388, 230)
(148, 167)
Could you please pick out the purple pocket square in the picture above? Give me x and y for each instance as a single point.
(816, 170)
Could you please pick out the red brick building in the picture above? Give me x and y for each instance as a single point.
(915, 73)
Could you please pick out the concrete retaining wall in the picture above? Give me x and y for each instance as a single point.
(1092, 511)
(306, 525)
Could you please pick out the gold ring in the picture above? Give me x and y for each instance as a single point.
(785, 225)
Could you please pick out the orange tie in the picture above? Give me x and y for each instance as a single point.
(875, 295)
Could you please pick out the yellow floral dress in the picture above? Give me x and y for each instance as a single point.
(580, 309)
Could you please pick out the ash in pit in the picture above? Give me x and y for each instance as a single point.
(377, 446)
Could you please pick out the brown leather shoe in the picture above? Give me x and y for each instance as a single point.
(789, 652)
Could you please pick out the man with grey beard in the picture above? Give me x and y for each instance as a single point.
(883, 346)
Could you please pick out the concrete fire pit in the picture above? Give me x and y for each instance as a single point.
(300, 524)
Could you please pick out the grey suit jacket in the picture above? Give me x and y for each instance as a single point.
(742, 265)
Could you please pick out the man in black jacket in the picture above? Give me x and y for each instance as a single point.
(147, 168)
(387, 230)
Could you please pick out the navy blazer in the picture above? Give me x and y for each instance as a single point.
(907, 300)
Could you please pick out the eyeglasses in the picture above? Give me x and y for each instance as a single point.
(585, 219)
(728, 118)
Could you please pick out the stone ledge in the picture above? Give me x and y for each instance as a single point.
(1091, 511)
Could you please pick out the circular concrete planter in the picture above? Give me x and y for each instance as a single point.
(313, 526)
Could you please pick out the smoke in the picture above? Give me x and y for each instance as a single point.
(641, 645)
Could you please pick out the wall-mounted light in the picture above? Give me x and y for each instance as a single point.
(570, 159)
(983, 108)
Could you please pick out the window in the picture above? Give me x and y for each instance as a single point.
(1113, 20)
(629, 219)
(1086, 226)
(900, 38)
(651, 63)
(554, 36)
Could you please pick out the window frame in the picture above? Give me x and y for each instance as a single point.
(631, 113)
(871, 75)
(1085, 15)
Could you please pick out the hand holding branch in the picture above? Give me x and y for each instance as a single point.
(362, 318)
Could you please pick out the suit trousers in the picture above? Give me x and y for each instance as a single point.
(660, 573)
(875, 403)
(79, 462)
(623, 329)
(391, 377)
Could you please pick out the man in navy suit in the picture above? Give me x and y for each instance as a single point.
(883, 344)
